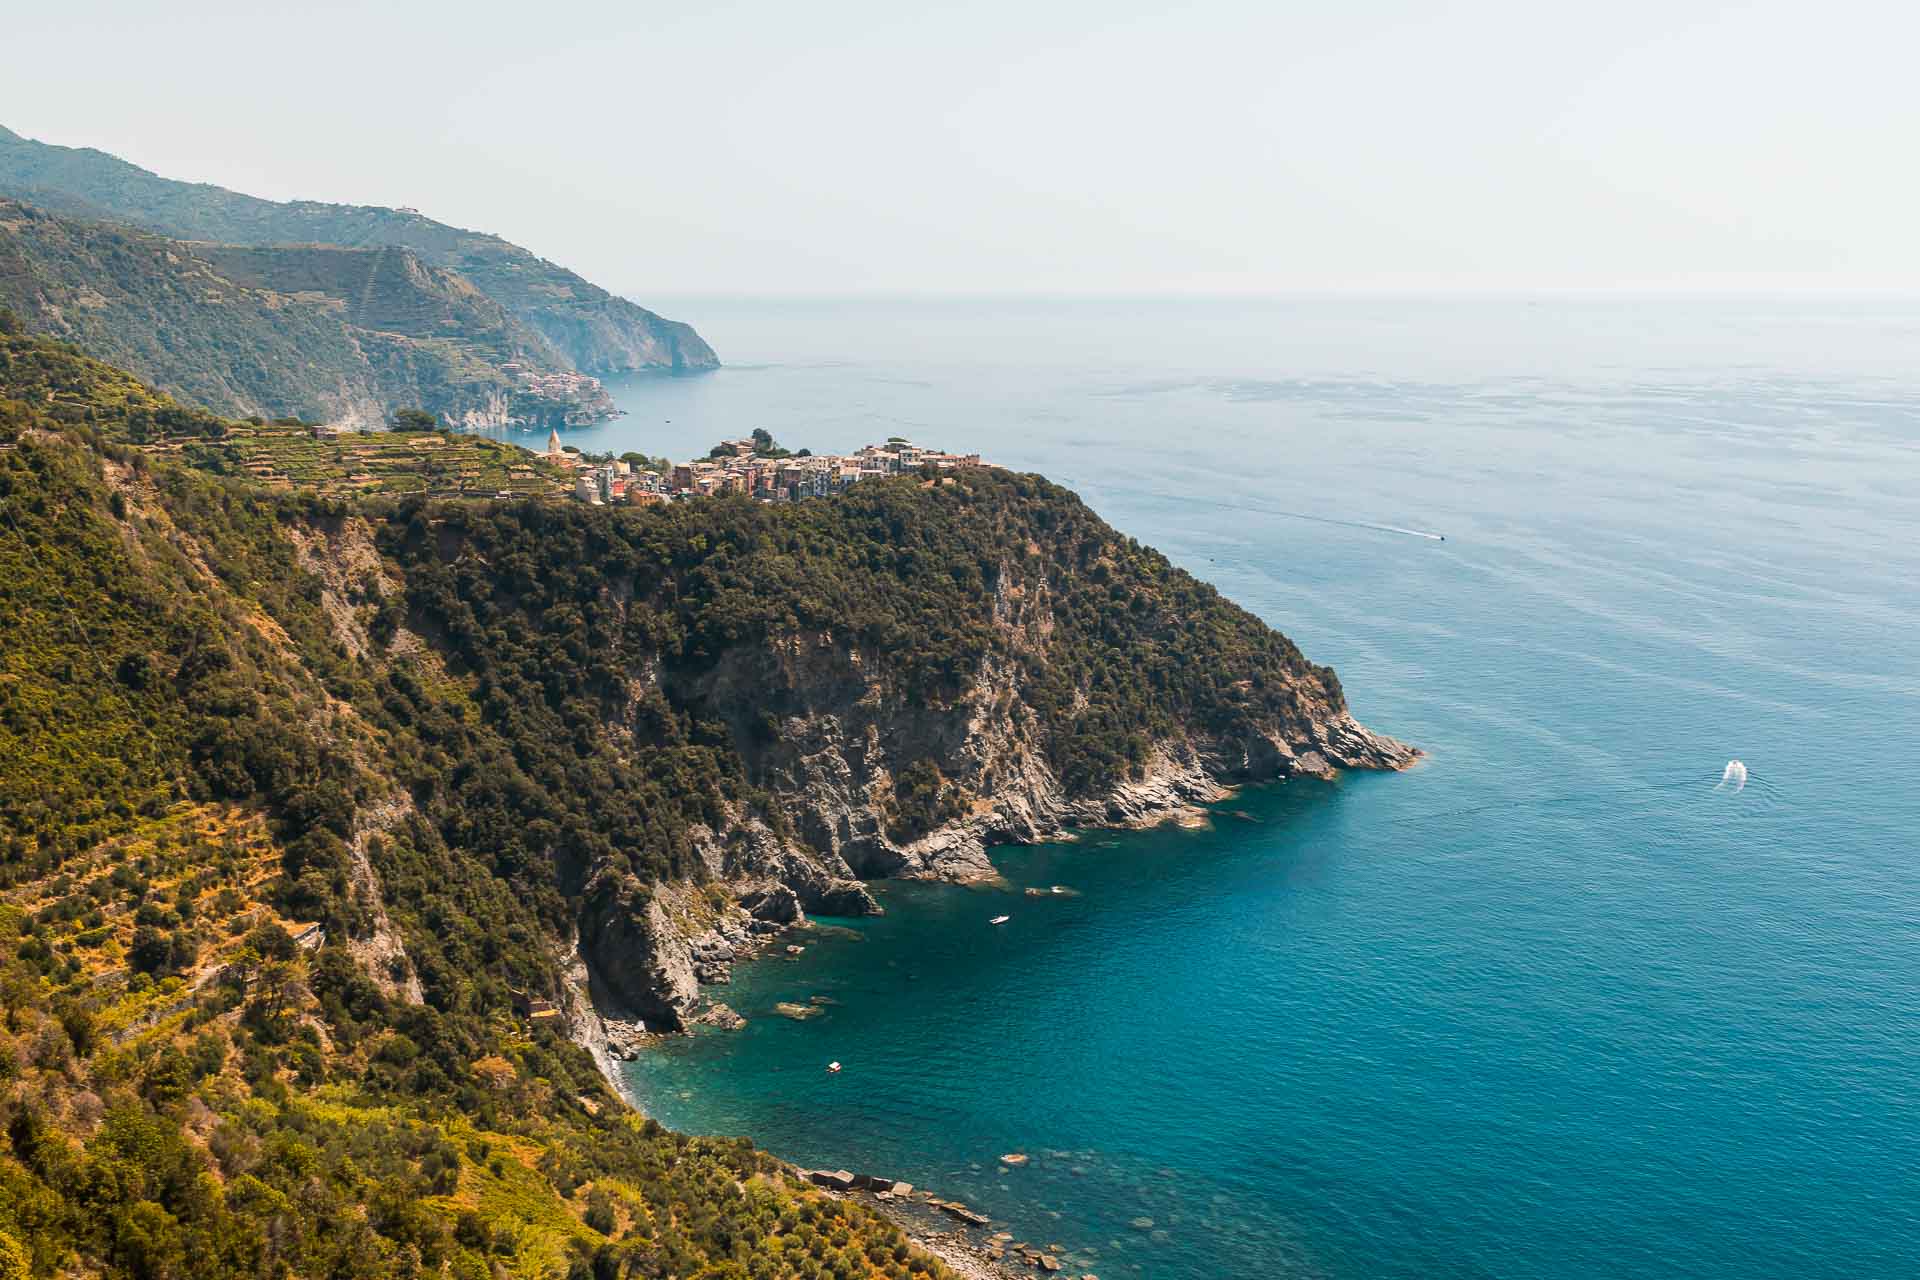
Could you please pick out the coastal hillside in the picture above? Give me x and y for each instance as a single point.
(594, 331)
(261, 1018)
(347, 839)
(343, 336)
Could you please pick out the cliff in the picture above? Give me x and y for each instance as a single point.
(346, 840)
(884, 684)
(337, 335)
(260, 1017)
(593, 331)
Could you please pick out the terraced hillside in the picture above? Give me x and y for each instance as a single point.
(595, 331)
(343, 336)
(345, 835)
(260, 1019)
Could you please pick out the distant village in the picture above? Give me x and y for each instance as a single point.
(754, 467)
(554, 385)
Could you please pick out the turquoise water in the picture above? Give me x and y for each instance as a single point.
(1547, 1006)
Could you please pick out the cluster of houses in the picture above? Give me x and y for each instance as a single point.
(554, 385)
(739, 466)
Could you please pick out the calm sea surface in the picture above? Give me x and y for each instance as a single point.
(1550, 1005)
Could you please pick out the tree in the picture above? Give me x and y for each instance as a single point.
(150, 951)
(762, 440)
(414, 420)
(15, 1264)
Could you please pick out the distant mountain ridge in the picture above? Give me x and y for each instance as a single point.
(338, 335)
(592, 330)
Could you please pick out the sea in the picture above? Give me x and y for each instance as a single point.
(1565, 1000)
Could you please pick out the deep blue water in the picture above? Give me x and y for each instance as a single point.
(1547, 1006)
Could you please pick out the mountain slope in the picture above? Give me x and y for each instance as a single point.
(310, 809)
(338, 335)
(196, 1081)
(595, 331)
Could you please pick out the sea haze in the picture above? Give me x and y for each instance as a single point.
(1550, 1005)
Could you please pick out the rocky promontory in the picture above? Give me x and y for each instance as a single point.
(725, 717)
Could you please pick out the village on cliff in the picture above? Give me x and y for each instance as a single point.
(753, 467)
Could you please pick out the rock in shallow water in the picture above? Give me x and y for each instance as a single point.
(798, 1012)
(723, 1017)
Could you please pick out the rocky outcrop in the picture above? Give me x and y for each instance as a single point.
(848, 774)
(832, 764)
(640, 959)
(722, 1017)
(829, 769)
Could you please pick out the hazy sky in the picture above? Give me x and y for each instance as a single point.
(1043, 146)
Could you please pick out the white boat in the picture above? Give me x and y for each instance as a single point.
(999, 919)
(833, 1066)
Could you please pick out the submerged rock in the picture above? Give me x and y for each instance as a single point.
(798, 1012)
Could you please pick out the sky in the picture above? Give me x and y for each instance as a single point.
(1048, 147)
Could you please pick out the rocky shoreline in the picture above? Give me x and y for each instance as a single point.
(958, 1234)
(695, 943)
(647, 953)
(644, 961)
(641, 968)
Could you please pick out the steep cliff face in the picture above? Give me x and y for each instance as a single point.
(835, 761)
(832, 768)
(593, 330)
(894, 681)
(601, 333)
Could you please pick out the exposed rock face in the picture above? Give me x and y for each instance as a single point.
(829, 768)
(777, 904)
(832, 763)
(640, 959)
(831, 738)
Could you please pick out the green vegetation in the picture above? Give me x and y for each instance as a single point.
(416, 460)
(764, 445)
(591, 329)
(193, 1081)
(641, 462)
(321, 333)
(304, 790)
